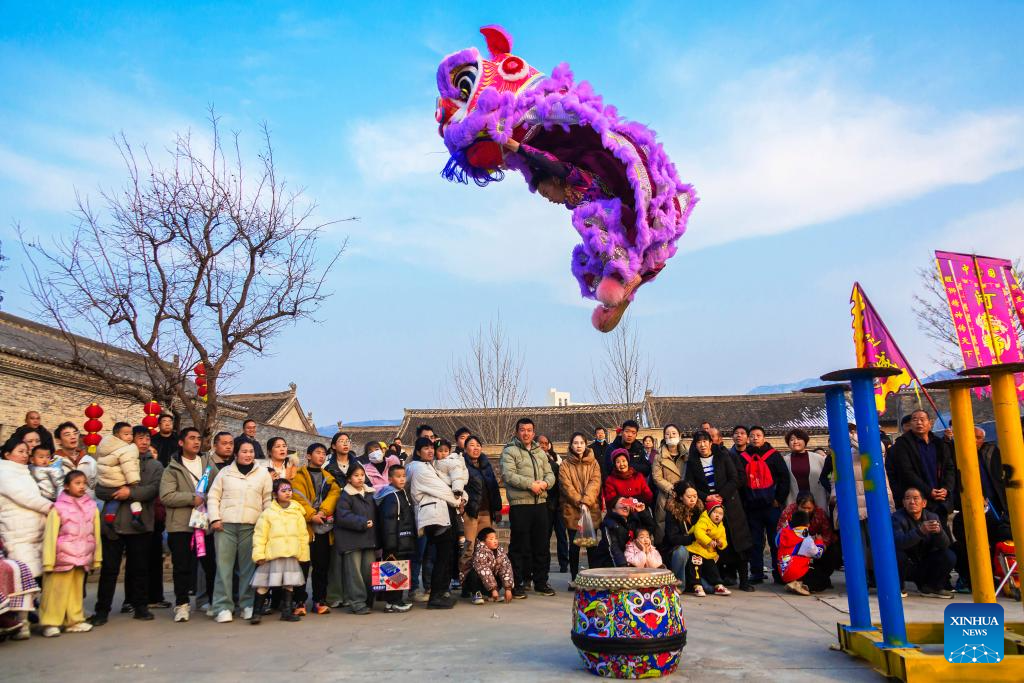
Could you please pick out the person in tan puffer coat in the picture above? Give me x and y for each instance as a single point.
(579, 478)
(117, 458)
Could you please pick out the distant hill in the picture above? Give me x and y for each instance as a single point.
(814, 381)
(329, 430)
(785, 388)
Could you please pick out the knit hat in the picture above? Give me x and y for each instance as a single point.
(711, 505)
(620, 452)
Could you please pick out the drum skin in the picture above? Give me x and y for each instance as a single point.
(628, 623)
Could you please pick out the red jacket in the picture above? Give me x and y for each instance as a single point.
(792, 567)
(629, 483)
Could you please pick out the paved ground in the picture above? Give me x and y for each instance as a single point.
(766, 636)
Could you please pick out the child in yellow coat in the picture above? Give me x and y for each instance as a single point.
(709, 534)
(279, 543)
(70, 549)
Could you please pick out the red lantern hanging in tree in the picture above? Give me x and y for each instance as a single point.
(201, 389)
(92, 427)
(152, 419)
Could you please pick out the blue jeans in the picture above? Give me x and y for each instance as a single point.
(234, 543)
(677, 562)
(420, 566)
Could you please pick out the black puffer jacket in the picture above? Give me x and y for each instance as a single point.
(481, 478)
(350, 517)
(396, 522)
(615, 533)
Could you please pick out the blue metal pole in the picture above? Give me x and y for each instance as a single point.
(849, 519)
(883, 548)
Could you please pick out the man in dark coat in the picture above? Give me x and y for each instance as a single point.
(923, 460)
(763, 507)
(724, 483)
(34, 423)
(922, 547)
(637, 456)
(599, 445)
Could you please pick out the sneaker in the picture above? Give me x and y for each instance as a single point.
(181, 613)
(334, 605)
(80, 627)
(544, 589)
(209, 611)
(143, 615)
(962, 586)
(364, 610)
(389, 607)
(98, 619)
(699, 591)
(478, 598)
(159, 604)
(127, 609)
(299, 611)
(519, 593)
(24, 631)
(797, 587)
(722, 590)
(51, 631)
(903, 594)
(321, 608)
(456, 584)
(419, 596)
(224, 616)
(247, 613)
(940, 593)
(400, 606)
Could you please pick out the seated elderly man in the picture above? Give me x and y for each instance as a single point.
(922, 547)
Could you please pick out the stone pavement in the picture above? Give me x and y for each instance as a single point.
(769, 635)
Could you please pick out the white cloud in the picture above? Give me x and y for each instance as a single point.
(792, 146)
(404, 145)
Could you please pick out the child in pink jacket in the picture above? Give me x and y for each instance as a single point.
(70, 549)
(640, 552)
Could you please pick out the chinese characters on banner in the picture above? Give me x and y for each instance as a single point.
(877, 349)
(983, 294)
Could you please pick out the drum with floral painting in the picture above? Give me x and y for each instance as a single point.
(628, 623)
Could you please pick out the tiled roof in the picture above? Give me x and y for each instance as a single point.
(556, 422)
(777, 413)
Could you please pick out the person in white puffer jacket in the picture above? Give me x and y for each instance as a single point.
(23, 509)
(435, 511)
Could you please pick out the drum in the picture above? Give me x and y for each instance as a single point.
(628, 622)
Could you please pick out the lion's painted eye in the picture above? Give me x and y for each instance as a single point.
(465, 79)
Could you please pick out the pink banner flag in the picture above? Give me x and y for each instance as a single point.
(877, 349)
(982, 294)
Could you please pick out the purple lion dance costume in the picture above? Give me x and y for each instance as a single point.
(628, 204)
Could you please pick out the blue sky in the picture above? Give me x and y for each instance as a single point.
(828, 143)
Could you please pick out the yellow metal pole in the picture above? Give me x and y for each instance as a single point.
(1011, 445)
(972, 498)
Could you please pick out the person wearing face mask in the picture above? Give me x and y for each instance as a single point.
(600, 444)
(669, 466)
(579, 480)
(376, 464)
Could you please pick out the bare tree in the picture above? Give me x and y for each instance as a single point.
(625, 374)
(2, 267)
(490, 382)
(192, 262)
(933, 318)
